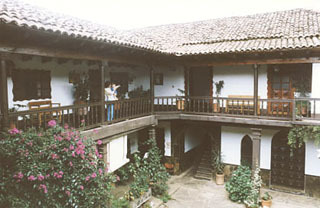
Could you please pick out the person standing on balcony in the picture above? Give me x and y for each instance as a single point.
(110, 96)
(114, 89)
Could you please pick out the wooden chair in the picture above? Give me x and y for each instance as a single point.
(244, 104)
(45, 105)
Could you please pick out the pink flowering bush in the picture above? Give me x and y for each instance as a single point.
(53, 168)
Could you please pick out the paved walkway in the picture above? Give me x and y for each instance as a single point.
(187, 191)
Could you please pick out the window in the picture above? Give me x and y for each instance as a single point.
(31, 84)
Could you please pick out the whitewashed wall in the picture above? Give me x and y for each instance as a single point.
(231, 138)
(312, 162)
(117, 153)
(238, 80)
(61, 89)
(193, 137)
(173, 79)
(166, 125)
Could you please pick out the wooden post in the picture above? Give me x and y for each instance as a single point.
(4, 95)
(294, 109)
(255, 89)
(186, 81)
(256, 146)
(103, 66)
(152, 88)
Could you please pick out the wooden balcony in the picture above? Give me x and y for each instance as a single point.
(92, 115)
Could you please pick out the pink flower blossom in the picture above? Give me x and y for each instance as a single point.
(71, 147)
(54, 156)
(44, 187)
(73, 154)
(93, 175)
(95, 131)
(14, 131)
(70, 163)
(30, 144)
(81, 187)
(40, 177)
(32, 178)
(65, 149)
(52, 123)
(68, 193)
(87, 178)
(48, 175)
(60, 172)
(19, 175)
(99, 142)
(118, 178)
(100, 171)
(66, 126)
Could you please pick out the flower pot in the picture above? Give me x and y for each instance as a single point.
(219, 179)
(216, 108)
(81, 111)
(266, 203)
(180, 104)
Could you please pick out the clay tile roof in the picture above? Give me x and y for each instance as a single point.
(284, 30)
(293, 29)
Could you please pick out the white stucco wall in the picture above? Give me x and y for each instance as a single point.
(193, 137)
(166, 125)
(117, 153)
(238, 80)
(315, 90)
(231, 138)
(61, 89)
(312, 162)
(173, 79)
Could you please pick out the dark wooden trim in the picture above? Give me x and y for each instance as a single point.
(152, 88)
(4, 94)
(186, 81)
(102, 91)
(252, 61)
(255, 88)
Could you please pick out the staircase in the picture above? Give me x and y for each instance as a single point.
(204, 170)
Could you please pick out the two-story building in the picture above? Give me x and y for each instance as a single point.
(239, 83)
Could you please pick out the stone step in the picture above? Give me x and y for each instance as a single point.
(203, 176)
(203, 168)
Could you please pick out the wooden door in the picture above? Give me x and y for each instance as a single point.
(286, 170)
(279, 87)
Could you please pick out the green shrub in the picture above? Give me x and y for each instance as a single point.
(123, 174)
(239, 186)
(120, 203)
(53, 168)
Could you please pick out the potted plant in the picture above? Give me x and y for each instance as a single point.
(81, 93)
(266, 200)
(218, 166)
(180, 101)
(219, 85)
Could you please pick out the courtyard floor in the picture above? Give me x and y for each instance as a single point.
(187, 191)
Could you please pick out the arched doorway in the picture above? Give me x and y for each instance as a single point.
(285, 170)
(246, 151)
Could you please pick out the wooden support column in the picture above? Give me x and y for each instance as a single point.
(152, 88)
(186, 81)
(103, 112)
(4, 95)
(256, 146)
(255, 89)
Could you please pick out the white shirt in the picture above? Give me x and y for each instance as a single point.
(110, 96)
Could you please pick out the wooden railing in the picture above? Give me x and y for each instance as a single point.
(84, 115)
(284, 109)
(92, 115)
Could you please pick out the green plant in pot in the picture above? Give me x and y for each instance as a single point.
(219, 85)
(218, 166)
(266, 200)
